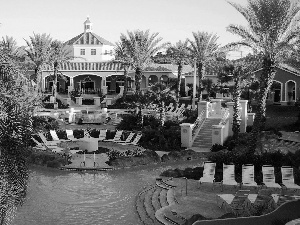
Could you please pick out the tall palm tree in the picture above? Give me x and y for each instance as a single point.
(38, 53)
(272, 32)
(179, 55)
(59, 54)
(123, 57)
(204, 49)
(140, 46)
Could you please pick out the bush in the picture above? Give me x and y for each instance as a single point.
(74, 94)
(87, 101)
(217, 147)
(54, 164)
(51, 105)
(45, 123)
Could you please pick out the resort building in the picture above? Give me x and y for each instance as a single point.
(93, 71)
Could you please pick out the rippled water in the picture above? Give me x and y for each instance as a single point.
(61, 197)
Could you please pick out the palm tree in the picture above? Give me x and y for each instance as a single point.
(17, 106)
(179, 55)
(204, 50)
(272, 32)
(140, 46)
(59, 54)
(38, 53)
(122, 57)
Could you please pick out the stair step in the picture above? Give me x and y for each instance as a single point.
(148, 204)
(141, 209)
(163, 197)
(155, 199)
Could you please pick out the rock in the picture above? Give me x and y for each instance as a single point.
(148, 157)
(181, 155)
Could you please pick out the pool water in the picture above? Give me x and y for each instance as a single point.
(76, 198)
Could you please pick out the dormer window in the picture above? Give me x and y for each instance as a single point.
(93, 51)
(87, 27)
(82, 51)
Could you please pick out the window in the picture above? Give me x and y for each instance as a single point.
(93, 51)
(87, 27)
(82, 51)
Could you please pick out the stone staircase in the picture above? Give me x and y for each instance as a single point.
(152, 204)
(203, 140)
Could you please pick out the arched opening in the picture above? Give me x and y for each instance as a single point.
(164, 79)
(62, 84)
(153, 79)
(143, 84)
(276, 90)
(290, 89)
(87, 83)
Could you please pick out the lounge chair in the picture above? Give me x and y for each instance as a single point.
(70, 135)
(288, 178)
(135, 141)
(228, 176)
(39, 145)
(269, 177)
(248, 176)
(237, 204)
(117, 136)
(208, 173)
(102, 135)
(46, 142)
(55, 137)
(128, 139)
(44, 146)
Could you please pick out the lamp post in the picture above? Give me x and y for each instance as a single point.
(194, 86)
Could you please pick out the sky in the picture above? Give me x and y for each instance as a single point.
(174, 20)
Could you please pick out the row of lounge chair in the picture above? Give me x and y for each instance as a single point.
(248, 176)
(132, 139)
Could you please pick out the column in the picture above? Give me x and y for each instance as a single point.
(230, 107)
(217, 134)
(71, 115)
(72, 82)
(121, 90)
(104, 90)
(186, 135)
(250, 120)
(43, 84)
(218, 106)
(203, 105)
(97, 101)
(244, 112)
(79, 100)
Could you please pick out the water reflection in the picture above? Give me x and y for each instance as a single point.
(60, 197)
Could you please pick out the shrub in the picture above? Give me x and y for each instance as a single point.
(74, 94)
(87, 101)
(54, 164)
(45, 123)
(217, 147)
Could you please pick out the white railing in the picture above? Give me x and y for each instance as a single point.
(197, 124)
(212, 108)
(225, 116)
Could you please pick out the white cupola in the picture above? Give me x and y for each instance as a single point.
(88, 26)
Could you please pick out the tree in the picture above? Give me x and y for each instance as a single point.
(59, 54)
(273, 34)
(140, 46)
(204, 50)
(122, 56)
(208, 85)
(38, 52)
(16, 111)
(179, 55)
